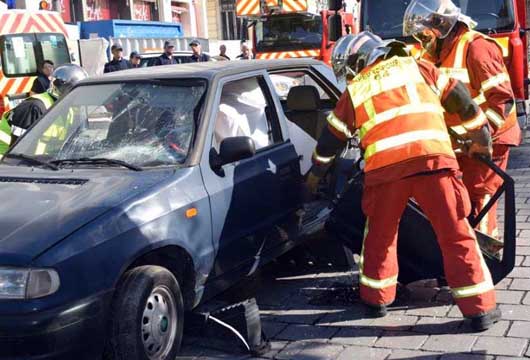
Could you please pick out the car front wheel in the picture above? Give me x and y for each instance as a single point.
(147, 316)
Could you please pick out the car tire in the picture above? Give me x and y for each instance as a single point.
(147, 319)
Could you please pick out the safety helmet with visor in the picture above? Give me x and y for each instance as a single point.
(428, 20)
(352, 53)
(64, 78)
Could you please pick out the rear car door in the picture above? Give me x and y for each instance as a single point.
(253, 201)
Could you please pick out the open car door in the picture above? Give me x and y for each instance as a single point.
(419, 255)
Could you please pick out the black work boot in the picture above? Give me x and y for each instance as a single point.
(485, 321)
(376, 311)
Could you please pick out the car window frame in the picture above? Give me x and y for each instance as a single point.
(272, 115)
(332, 90)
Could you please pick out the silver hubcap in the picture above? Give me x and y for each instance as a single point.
(159, 323)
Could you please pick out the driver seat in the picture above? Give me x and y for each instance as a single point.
(304, 109)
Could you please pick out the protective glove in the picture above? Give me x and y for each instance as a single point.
(480, 142)
(312, 182)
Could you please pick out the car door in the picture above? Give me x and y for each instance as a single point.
(250, 199)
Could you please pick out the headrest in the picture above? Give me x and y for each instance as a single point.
(303, 98)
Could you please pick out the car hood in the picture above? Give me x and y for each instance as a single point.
(40, 208)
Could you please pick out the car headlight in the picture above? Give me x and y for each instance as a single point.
(16, 283)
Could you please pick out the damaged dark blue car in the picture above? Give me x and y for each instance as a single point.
(145, 193)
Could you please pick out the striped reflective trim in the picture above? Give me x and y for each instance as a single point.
(480, 99)
(403, 139)
(494, 118)
(459, 129)
(473, 290)
(480, 288)
(322, 159)
(17, 131)
(459, 57)
(476, 122)
(378, 284)
(442, 82)
(494, 81)
(367, 281)
(5, 138)
(457, 74)
(399, 111)
(338, 125)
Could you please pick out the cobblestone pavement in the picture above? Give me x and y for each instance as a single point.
(315, 315)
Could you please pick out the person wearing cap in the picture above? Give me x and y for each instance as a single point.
(134, 60)
(118, 62)
(198, 55)
(167, 57)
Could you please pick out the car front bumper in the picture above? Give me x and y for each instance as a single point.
(75, 331)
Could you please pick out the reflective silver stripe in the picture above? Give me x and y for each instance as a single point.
(480, 99)
(459, 129)
(494, 81)
(459, 57)
(458, 74)
(378, 284)
(338, 125)
(476, 122)
(472, 290)
(442, 82)
(480, 288)
(5, 138)
(403, 139)
(494, 118)
(17, 131)
(322, 159)
(399, 111)
(367, 281)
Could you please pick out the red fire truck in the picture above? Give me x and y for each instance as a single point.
(27, 38)
(293, 28)
(504, 20)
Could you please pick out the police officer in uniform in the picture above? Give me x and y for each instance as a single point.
(118, 62)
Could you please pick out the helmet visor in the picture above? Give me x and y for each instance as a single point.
(340, 54)
(438, 16)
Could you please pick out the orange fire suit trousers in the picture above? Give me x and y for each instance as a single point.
(481, 183)
(445, 201)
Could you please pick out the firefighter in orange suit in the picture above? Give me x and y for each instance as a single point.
(396, 106)
(477, 61)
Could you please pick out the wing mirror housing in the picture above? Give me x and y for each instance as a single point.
(334, 27)
(233, 149)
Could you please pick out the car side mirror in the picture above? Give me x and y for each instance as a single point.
(234, 149)
(334, 27)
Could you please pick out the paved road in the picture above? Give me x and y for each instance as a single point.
(315, 315)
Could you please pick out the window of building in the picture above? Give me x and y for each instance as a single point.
(230, 23)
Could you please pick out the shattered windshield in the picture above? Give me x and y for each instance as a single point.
(385, 17)
(291, 32)
(140, 123)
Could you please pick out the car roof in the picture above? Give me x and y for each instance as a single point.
(158, 53)
(206, 70)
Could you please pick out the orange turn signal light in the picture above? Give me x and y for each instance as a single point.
(192, 212)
